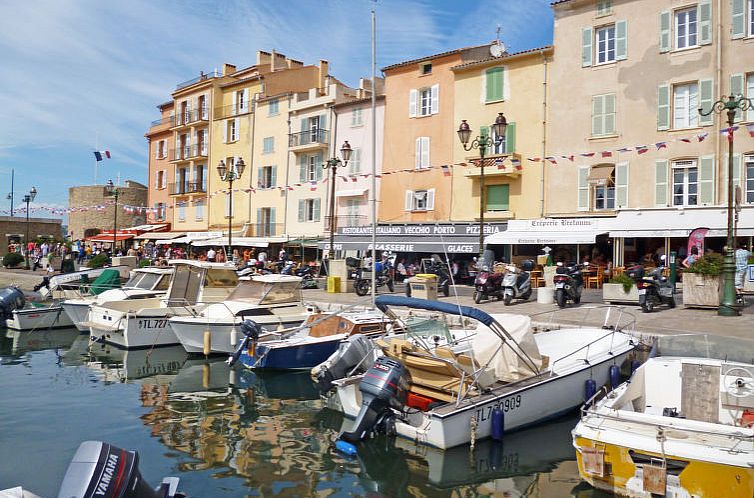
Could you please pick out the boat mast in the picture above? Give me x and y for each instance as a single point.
(374, 161)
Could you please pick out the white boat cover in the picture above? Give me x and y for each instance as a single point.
(500, 359)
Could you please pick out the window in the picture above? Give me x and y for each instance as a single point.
(424, 102)
(199, 209)
(273, 107)
(357, 117)
(499, 143)
(751, 18)
(685, 183)
(160, 149)
(685, 28)
(159, 209)
(202, 107)
(497, 197)
(426, 68)
(603, 115)
(312, 167)
(604, 7)
(231, 130)
(685, 106)
(604, 197)
(265, 222)
(748, 192)
(267, 177)
(493, 79)
(605, 40)
(420, 200)
(354, 165)
(181, 211)
(353, 211)
(160, 180)
(308, 209)
(268, 145)
(750, 92)
(200, 178)
(421, 159)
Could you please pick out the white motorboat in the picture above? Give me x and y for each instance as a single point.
(683, 425)
(144, 283)
(509, 373)
(143, 323)
(272, 301)
(46, 311)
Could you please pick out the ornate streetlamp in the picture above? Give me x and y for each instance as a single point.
(733, 103)
(482, 142)
(113, 191)
(230, 175)
(28, 198)
(332, 165)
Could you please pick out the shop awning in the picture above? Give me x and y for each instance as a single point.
(354, 192)
(236, 241)
(159, 235)
(601, 175)
(678, 222)
(544, 237)
(109, 237)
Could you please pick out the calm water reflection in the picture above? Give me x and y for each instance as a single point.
(235, 433)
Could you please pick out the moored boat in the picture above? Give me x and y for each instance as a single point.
(683, 425)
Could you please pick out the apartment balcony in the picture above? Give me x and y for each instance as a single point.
(347, 220)
(308, 140)
(188, 152)
(202, 77)
(494, 165)
(191, 118)
(187, 188)
(163, 124)
(229, 111)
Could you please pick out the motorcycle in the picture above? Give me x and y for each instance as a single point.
(517, 282)
(307, 277)
(654, 289)
(568, 284)
(487, 283)
(362, 278)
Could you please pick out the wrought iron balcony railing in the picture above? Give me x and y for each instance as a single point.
(316, 136)
(188, 152)
(187, 187)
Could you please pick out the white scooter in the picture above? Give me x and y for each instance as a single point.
(517, 282)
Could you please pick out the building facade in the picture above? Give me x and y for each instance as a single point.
(160, 143)
(92, 208)
(627, 143)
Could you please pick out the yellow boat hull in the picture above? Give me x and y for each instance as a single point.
(611, 468)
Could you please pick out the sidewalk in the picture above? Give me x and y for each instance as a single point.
(589, 313)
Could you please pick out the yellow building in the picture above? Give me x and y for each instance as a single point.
(514, 84)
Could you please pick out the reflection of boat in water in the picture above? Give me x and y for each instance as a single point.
(121, 365)
(37, 340)
(279, 385)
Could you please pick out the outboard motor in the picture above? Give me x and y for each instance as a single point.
(11, 298)
(356, 351)
(383, 387)
(101, 470)
(251, 331)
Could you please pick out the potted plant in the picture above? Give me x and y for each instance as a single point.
(702, 281)
(12, 260)
(620, 288)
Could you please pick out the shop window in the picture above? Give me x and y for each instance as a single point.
(685, 183)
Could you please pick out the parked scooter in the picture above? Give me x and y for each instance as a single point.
(362, 277)
(568, 284)
(307, 277)
(517, 282)
(487, 283)
(654, 289)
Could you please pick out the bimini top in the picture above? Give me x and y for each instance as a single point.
(385, 301)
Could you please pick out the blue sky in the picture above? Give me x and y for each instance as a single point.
(77, 73)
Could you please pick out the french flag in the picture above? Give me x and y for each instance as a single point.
(101, 154)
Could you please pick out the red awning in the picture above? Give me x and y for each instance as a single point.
(105, 237)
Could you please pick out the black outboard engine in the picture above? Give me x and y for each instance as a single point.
(251, 331)
(11, 298)
(385, 385)
(355, 352)
(101, 470)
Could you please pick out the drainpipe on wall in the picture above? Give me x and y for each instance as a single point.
(544, 139)
(718, 84)
(287, 171)
(254, 105)
(333, 153)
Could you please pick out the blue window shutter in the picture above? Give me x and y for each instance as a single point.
(302, 168)
(273, 226)
(586, 47)
(316, 210)
(318, 167)
(274, 177)
(301, 208)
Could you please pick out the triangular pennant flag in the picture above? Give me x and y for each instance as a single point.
(606, 153)
(587, 154)
(661, 145)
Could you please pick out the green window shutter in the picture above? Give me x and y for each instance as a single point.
(304, 124)
(302, 169)
(598, 112)
(664, 31)
(621, 40)
(661, 182)
(494, 79)
(260, 173)
(274, 176)
(259, 219)
(609, 127)
(273, 229)
(706, 179)
(706, 96)
(586, 47)
(663, 107)
(737, 88)
(737, 19)
(498, 197)
(724, 175)
(318, 167)
(510, 138)
(704, 15)
(316, 209)
(484, 131)
(621, 185)
(301, 209)
(583, 189)
(323, 122)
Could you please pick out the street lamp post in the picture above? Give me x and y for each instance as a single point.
(113, 190)
(28, 198)
(733, 103)
(333, 164)
(230, 175)
(482, 142)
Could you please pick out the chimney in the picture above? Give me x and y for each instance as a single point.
(262, 57)
(228, 69)
(323, 74)
(273, 60)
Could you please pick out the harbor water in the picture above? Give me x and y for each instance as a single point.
(235, 433)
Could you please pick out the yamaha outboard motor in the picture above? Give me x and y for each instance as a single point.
(11, 298)
(251, 331)
(385, 385)
(355, 352)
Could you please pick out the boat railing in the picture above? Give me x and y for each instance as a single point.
(613, 318)
(586, 347)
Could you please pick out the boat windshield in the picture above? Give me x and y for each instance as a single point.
(706, 346)
(428, 330)
(256, 292)
(219, 278)
(143, 280)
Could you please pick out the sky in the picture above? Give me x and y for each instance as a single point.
(83, 75)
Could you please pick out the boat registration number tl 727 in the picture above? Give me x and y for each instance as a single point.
(508, 404)
(153, 323)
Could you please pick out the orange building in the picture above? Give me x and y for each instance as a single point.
(160, 141)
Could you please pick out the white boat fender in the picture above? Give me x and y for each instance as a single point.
(251, 331)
